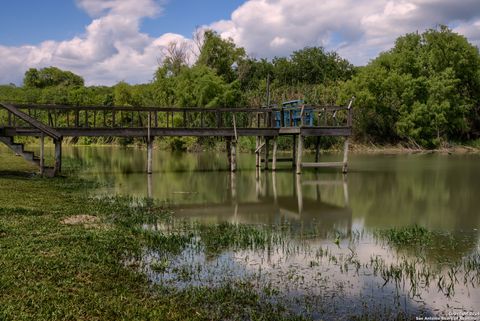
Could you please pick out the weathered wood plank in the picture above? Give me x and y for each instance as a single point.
(322, 164)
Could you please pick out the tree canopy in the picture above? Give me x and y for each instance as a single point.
(51, 77)
(426, 89)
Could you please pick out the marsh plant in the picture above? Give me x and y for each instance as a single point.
(313, 275)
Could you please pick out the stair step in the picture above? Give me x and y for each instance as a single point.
(19, 149)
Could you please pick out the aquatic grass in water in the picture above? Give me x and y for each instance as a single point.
(407, 236)
(301, 271)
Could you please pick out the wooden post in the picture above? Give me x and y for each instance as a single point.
(229, 152)
(274, 187)
(268, 91)
(274, 160)
(294, 151)
(317, 149)
(58, 157)
(257, 153)
(233, 190)
(345, 157)
(298, 184)
(345, 191)
(233, 155)
(267, 151)
(149, 145)
(42, 154)
(149, 155)
(149, 186)
(299, 154)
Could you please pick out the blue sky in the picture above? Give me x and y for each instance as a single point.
(107, 41)
(33, 21)
(183, 16)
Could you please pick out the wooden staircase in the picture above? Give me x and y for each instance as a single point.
(19, 149)
(44, 130)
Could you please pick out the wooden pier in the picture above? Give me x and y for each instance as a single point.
(266, 124)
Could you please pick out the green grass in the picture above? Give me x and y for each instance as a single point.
(407, 236)
(53, 271)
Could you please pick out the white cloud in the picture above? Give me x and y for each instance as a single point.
(126, 8)
(471, 30)
(357, 29)
(112, 48)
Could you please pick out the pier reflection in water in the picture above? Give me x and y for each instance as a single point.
(268, 208)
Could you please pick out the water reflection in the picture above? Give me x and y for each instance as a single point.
(330, 259)
(435, 191)
(270, 208)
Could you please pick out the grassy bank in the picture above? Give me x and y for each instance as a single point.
(66, 255)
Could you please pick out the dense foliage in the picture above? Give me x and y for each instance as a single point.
(52, 76)
(424, 91)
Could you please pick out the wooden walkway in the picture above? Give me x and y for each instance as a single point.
(266, 124)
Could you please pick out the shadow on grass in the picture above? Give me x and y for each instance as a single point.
(16, 174)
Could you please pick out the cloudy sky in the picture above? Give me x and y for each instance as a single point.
(107, 41)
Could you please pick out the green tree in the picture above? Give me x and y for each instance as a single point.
(50, 77)
(425, 90)
(122, 94)
(222, 55)
(201, 86)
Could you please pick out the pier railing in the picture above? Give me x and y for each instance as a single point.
(83, 117)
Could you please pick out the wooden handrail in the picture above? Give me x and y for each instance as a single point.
(32, 121)
(170, 109)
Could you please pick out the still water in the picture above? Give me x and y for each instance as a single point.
(330, 263)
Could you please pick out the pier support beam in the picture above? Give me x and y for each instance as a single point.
(58, 157)
(317, 149)
(228, 148)
(233, 156)
(294, 151)
(233, 187)
(345, 156)
(267, 152)
(150, 155)
(149, 186)
(299, 154)
(299, 193)
(231, 146)
(42, 154)
(257, 153)
(274, 152)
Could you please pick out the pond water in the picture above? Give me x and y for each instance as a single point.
(319, 249)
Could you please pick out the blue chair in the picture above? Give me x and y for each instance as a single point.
(291, 114)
